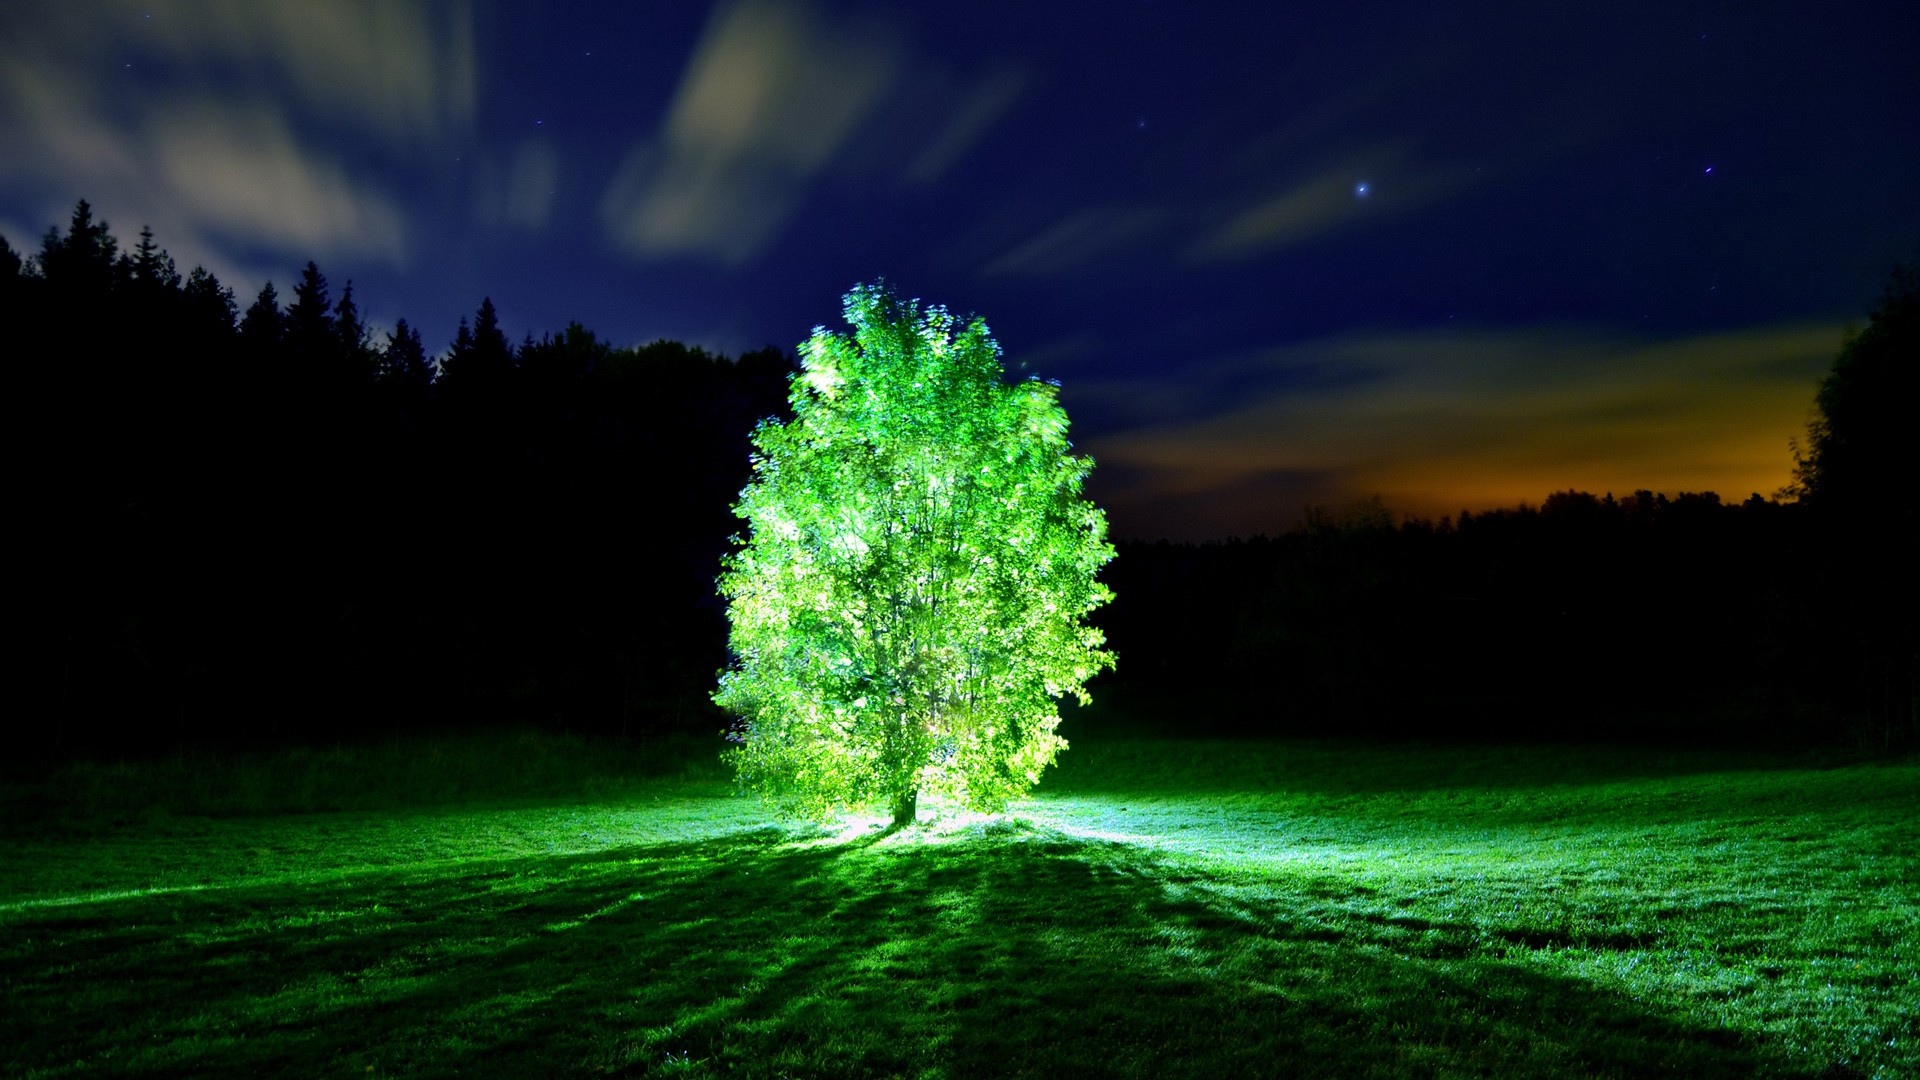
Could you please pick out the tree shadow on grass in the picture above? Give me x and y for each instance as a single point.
(1004, 951)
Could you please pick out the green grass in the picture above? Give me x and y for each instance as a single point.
(1159, 909)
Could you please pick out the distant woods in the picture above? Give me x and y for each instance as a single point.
(260, 521)
(1641, 618)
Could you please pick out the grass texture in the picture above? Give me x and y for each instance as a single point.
(1160, 909)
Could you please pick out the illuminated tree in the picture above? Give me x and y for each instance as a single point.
(910, 601)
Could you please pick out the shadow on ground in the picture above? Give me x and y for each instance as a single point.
(1005, 951)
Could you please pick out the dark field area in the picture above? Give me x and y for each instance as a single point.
(536, 905)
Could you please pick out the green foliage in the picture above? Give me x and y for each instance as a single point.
(910, 601)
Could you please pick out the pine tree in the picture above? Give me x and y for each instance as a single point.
(13, 270)
(491, 353)
(480, 360)
(457, 354)
(310, 317)
(355, 349)
(404, 361)
(153, 268)
(81, 263)
(209, 303)
(263, 326)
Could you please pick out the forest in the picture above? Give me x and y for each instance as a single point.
(261, 526)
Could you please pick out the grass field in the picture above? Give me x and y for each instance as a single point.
(1158, 909)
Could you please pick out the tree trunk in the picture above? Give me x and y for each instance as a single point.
(904, 806)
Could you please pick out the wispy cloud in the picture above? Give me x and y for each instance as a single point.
(389, 67)
(215, 180)
(240, 172)
(777, 97)
(976, 112)
(1352, 190)
(771, 95)
(1348, 190)
(1080, 239)
(54, 116)
(521, 193)
(1436, 422)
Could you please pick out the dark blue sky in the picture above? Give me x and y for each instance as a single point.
(1277, 254)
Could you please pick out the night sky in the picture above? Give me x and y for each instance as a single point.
(1458, 256)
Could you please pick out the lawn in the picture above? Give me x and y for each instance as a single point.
(1158, 909)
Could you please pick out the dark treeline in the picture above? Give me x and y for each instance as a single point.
(1641, 616)
(259, 525)
(262, 525)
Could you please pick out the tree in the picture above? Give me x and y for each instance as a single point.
(909, 602)
(461, 348)
(82, 263)
(1859, 459)
(209, 303)
(480, 360)
(1860, 477)
(360, 361)
(14, 274)
(263, 326)
(152, 267)
(311, 336)
(404, 360)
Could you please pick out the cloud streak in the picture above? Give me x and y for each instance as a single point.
(1356, 189)
(222, 182)
(389, 66)
(776, 97)
(1360, 188)
(1080, 239)
(521, 192)
(1441, 421)
(978, 110)
(770, 96)
(241, 173)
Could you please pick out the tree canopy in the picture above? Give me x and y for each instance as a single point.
(911, 599)
(1859, 455)
(1860, 476)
